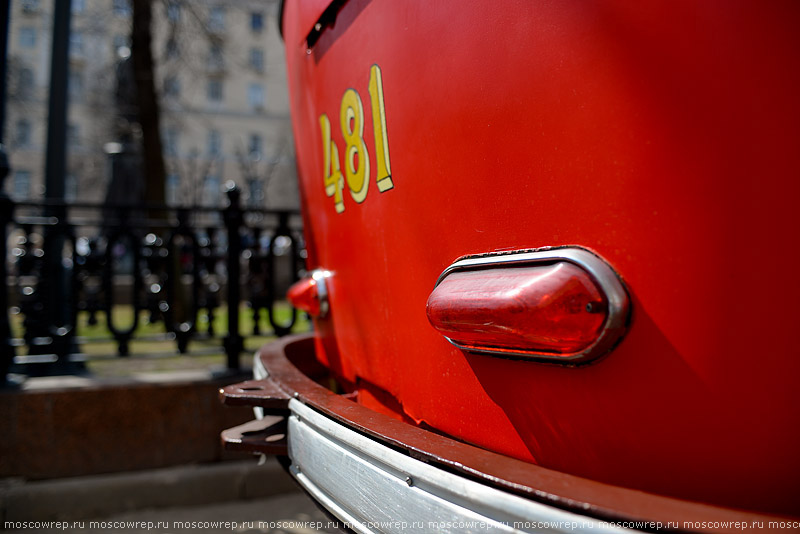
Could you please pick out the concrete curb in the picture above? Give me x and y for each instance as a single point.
(75, 426)
(103, 495)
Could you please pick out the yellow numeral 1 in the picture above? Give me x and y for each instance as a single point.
(333, 175)
(384, 171)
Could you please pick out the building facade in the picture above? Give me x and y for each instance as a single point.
(221, 82)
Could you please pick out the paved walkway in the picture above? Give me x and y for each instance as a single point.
(292, 513)
(238, 497)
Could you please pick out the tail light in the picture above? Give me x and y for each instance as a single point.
(563, 305)
(310, 294)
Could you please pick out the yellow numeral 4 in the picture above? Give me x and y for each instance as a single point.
(333, 176)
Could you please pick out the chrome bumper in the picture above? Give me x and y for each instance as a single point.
(377, 474)
(373, 488)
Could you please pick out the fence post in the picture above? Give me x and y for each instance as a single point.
(56, 295)
(282, 230)
(234, 343)
(6, 206)
(6, 214)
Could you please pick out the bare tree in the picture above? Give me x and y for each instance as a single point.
(147, 100)
(258, 175)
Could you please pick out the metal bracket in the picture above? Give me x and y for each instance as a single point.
(265, 436)
(261, 393)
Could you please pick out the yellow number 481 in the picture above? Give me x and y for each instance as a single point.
(356, 155)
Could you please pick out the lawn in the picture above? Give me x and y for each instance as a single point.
(152, 349)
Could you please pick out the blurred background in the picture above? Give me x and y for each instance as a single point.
(151, 228)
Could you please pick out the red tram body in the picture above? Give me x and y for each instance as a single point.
(659, 141)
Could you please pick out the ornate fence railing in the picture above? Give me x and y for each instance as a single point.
(189, 270)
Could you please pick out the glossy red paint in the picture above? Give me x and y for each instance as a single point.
(661, 135)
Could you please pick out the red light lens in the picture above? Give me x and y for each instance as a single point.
(304, 295)
(554, 309)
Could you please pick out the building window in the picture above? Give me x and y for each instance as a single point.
(76, 43)
(172, 49)
(254, 145)
(27, 37)
(122, 8)
(256, 59)
(174, 11)
(171, 191)
(75, 85)
(255, 96)
(216, 19)
(22, 184)
(70, 187)
(214, 143)
(255, 192)
(171, 141)
(211, 192)
(216, 59)
(214, 90)
(172, 87)
(256, 21)
(30, 6)
(26, 85)
(73, 135)
(23, 133)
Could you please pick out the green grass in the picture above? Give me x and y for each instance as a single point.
(156, 352)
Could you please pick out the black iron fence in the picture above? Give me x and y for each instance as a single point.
(186, 269)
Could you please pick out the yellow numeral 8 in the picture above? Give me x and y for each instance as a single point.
(351, 117)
